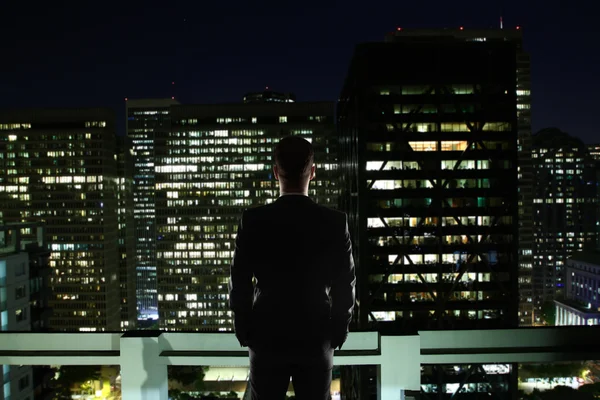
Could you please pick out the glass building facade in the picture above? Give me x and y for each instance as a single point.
(58, 166)
(564, 208)
(214, 163)
(428, 136)
(146, 118)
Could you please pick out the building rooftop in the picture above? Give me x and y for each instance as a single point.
(579, 306)
(590, 257)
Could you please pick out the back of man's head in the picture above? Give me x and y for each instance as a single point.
(294, 157)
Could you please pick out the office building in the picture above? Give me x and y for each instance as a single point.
(594, 151)
(215, 163)
(58, 166)
(564, 208)
(581, 304)
(127, 272)
(24, 295)
(146, 118)
(428, 129)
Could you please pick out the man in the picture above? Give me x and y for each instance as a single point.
(301, 256)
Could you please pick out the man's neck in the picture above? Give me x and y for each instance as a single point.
(293, 192)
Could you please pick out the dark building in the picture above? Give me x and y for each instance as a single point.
(127, 272)
(428, 131)
(269, 96)
(24, 295)
(565, 209)
(146, 118)
(215, 163)
(58, 166)
(581, 304)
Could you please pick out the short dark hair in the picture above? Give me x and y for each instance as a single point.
(294, 157)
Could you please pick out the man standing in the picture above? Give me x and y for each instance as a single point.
(301, 256)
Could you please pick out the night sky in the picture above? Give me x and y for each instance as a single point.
(97, 53)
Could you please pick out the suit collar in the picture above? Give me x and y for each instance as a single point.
(293, 198)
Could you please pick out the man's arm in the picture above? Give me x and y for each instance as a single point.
(342, 289)
(241, 291)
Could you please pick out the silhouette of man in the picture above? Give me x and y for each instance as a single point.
(300, 308)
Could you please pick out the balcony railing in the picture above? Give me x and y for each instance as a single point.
(144, 355)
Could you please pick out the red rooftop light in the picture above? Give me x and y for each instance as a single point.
(125, 98)
(462, 28)
(398, 29)
(518, 27)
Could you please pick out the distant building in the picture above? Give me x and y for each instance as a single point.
(268, 96)
(24, 294)
(214, 163)
(58, 166)
(127, 272)
(594, 150)
(581, 305)
(146, 118)
(564, 209)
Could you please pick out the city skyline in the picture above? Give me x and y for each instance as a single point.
(90, 57)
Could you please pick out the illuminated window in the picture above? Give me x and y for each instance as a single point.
(497, 126)
(462, 89)
(454, 145)
(415, 89)
(423, 146)
(282, 119)
(454, 127)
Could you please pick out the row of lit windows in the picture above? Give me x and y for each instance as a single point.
(450, 127)
(467, 277)
(427, 89)
(482, 202)
(568, 200)
(8, 127)
(446, 145)
(429, 184)
(413, 222)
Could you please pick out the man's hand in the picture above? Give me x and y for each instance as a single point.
(242, 331)
(338, 341)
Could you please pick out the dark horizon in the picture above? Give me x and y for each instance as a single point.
(85, 56)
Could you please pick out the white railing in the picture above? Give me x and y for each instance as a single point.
(144, 355)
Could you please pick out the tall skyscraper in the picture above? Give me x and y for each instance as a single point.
(564, 208)
(215, 163)
(58, 166)
(428, 135)
(127, 272)
(146, 118)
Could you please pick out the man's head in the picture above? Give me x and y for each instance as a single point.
(294, 168)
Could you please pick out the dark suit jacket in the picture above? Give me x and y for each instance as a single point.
(301, 256)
